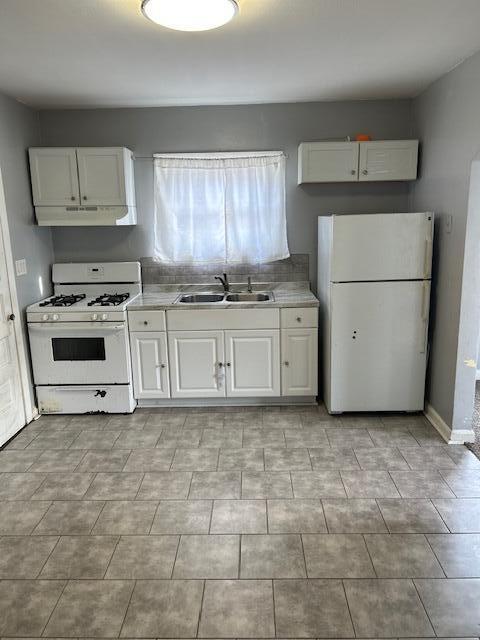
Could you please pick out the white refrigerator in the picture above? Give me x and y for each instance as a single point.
(374, 274)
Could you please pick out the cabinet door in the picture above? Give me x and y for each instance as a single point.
(388, 160)
(149, 364)
(253, 363)
(196, 364)
(328, 162)
(54, 177)
(378, 345)
(299, 362)
(102, 176)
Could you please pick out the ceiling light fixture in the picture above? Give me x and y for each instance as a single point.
(190, 15)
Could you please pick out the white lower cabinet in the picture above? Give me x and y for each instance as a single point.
(150, 364)
(299, 362)
(196, 364)
(252, 363)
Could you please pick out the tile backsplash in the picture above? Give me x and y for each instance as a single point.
(292, 269)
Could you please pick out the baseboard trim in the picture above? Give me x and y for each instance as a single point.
(458, 436)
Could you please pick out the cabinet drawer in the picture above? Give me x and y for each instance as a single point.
(196, 319)
(146, 320)
(299, 317)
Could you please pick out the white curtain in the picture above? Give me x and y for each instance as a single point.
(220, 208)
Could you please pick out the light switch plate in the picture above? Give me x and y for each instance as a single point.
(448, 223)
(21, 267)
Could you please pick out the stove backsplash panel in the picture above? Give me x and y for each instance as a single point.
(292, 269)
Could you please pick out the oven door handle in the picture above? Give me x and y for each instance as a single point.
(57, 327)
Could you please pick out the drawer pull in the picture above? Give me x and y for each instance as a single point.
(286, 363)
(145, 322)
(298, 319)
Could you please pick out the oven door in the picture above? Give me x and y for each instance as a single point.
(79, 353)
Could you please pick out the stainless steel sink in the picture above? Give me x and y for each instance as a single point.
(202, 297)
(248, 297)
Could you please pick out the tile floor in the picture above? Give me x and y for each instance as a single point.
(255, 523)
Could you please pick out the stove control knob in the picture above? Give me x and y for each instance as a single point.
(104, 316)
(45, 316)
(55, 316)
(95, 316)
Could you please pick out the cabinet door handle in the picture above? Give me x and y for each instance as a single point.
(163, 366)
(220, 364)
(365, 172)
(85, 197)
(353, 172)
(298, 319)
(72, 198)
(228, 364)
(286, 363)
(145, 322)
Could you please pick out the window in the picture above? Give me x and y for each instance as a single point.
(220, 208)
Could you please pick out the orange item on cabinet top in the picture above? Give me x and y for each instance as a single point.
(363, 137)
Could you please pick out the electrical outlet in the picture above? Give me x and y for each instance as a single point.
(21, 267)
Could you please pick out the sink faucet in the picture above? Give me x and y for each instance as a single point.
(249, 284)
(224, 281)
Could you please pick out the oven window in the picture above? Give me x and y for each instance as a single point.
(78, 349)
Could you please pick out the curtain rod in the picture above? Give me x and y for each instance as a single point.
(179, 155)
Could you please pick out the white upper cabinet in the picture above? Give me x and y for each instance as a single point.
(388, 160)
(327, 162)
(54, 177)
(357, 161)
(103, 176)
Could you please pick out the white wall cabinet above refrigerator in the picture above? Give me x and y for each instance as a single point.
(379, 160)
(83, 186)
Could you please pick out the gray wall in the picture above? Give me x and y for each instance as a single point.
(19, 129)
(447, 122)
(232, 128)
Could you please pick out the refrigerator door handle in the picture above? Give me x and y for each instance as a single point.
(427, 264)
(424, 315)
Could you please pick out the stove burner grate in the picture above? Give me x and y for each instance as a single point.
(63, 300)
(109, 299)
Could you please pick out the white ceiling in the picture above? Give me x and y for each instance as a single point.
(80, 53)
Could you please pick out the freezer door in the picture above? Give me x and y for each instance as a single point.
(378, 346)
(383, 246)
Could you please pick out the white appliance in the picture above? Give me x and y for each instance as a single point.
(79, 339)
(374, 274)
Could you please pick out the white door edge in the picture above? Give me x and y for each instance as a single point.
(28, 401)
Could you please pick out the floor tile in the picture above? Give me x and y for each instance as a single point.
(137, 439)
(166, 420)
(96, 439)
(272, 556)
(360, 421)
(387, 608)
(459, 554)
(63, 486)
(25, 605)
(279, 420)
(182, 516)
(404, 555)
(392, 437)
(24, 556)
(195, 460)
(326, 458)
(426, 436)
(239, 516)
(164, 609)
(461, 515)
(421, 484)
(184, 438)
(237, 609)
(298, 614)
(295, 516)
(261, 484)
(427, 458)
(21, 440)
(17, 460)
(306, 437)
(222, 438)
(215, 485)
(165, 485)
(90, 608)
(378, 458)
(317, 484)
(101, 460)
(69, 518)
(132, 421)
(126, 517)
(340, 555)
(143, 558)
(355, 438)
(19, 486)
(114, 486)
(452, 605)
(80, 557)
(264, 437)
(149, 460)
(244, 419)
(58, 461)
(353, 516)
(462, 457)
(20, 518)
(411, 516)
(369, 484)
(242, 459)
(464, 483)
(210, 556)
(282, 459)
(204, 420)
(96, 421)
(53, 440)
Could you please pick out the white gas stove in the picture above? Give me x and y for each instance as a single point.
(79, 339)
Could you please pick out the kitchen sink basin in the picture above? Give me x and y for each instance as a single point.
(248, 297)
(202, 297)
